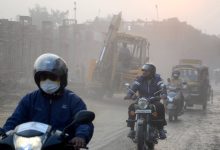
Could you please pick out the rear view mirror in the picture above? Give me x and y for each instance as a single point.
(84, 117)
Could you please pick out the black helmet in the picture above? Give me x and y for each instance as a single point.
(51, 63)
(149, 67)
(176, 74)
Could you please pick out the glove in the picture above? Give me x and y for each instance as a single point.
(78, 143)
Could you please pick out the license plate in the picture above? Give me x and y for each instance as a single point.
(147, 111)
(170, 106)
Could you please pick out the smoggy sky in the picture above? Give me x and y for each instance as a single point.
(202, 14)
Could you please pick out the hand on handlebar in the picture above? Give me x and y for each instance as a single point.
(77, 143)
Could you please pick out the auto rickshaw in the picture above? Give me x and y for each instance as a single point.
(197, 79)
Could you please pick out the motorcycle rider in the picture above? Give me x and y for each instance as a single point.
(52, 103)
(146, 85)
(178, 83)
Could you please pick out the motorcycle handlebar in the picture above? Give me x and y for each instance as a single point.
(135, 97)
(70, 147)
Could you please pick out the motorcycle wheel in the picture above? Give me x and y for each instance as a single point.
(204, 106)
(170, 117)
(140, 138)
(175, 117)
(150, 146)
(185, 107)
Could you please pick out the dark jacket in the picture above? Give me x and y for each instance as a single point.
(57, 112)
(146, 88)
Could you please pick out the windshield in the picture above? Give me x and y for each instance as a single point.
(189, 75)
(34, 126)
(171, 94)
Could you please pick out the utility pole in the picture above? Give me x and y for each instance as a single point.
(75, 12)
(99, 12)
(157, 12)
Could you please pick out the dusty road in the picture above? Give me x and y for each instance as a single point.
(195, 130)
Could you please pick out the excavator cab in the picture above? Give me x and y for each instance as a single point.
(119, 65)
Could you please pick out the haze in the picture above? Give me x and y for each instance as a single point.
(202, 14)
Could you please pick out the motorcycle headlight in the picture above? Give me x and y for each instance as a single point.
(185, 86)
(170, 99)
(142, 103)
(23, 143)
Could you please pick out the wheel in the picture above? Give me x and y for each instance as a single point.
(150, 146)
(211, 97)
(204, 106)
(185, 107)
(170, 116)
(175, 117)
(140, 138)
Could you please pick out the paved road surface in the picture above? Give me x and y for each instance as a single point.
(195, 130)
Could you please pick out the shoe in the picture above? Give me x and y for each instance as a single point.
(131, 134)
(162, 134)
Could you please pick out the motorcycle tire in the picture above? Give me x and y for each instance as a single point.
(140, 138)
(170, 117)
(204, 106)
(175, 117)
(150, 146)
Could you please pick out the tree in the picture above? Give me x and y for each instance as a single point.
(58, 16)
(40, 14)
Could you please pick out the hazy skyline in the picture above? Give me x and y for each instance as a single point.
(202, 14)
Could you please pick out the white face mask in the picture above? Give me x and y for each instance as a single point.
(49, 86)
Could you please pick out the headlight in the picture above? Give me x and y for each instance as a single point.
(185, 86)
(170, 99)
(23, 143)
(142, 103)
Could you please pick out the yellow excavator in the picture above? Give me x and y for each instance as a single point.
(108, 74)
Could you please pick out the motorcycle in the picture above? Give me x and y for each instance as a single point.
(174, 96)
(146, 134)
(40, 136)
